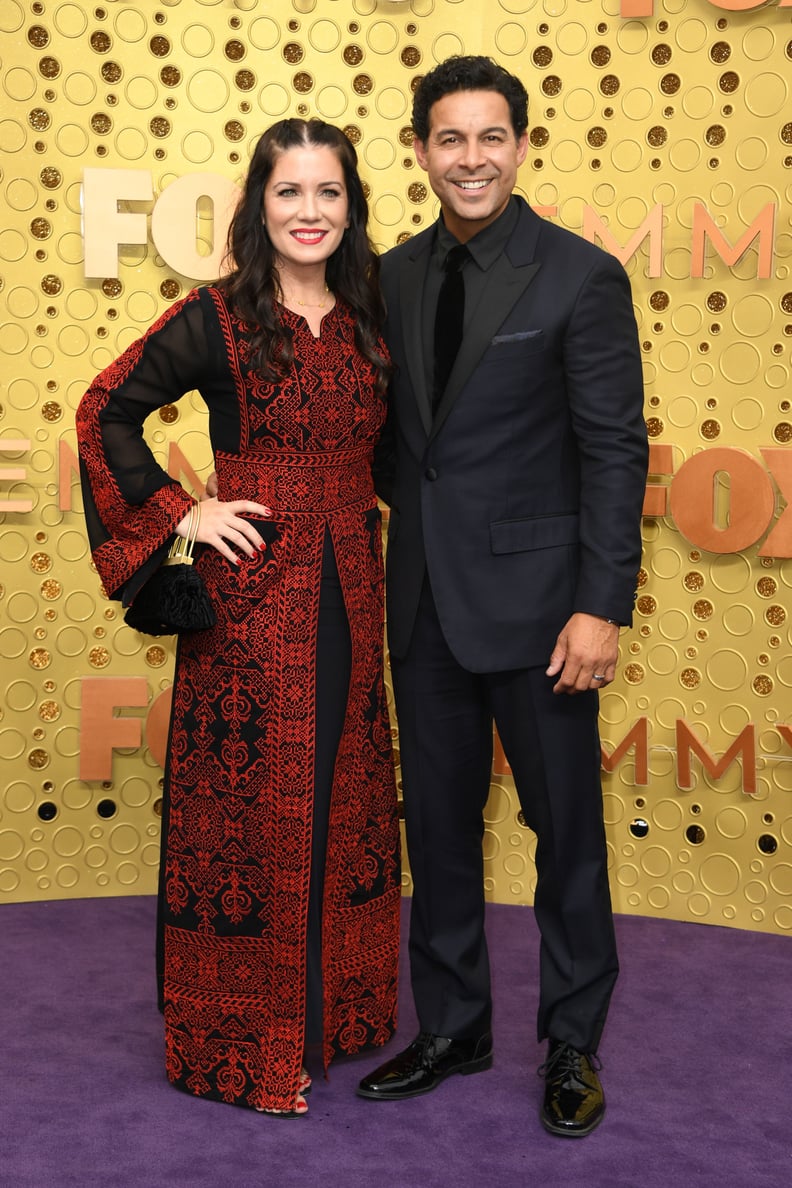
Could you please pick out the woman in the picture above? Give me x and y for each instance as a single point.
(279, 889)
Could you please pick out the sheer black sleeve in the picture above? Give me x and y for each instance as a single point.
(131, 504)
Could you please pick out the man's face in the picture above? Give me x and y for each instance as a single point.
(471, 156)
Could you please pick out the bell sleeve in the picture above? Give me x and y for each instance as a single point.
(132, 505)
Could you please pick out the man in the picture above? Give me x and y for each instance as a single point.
(515, 473)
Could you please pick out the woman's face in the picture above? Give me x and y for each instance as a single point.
(306, 206)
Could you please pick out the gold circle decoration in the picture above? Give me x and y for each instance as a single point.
(131, 144)
(331, 102)
(198, 40)
(70, 20)
(140, 92)
(129, 25)
(80, 88)
(382, 37)
(198, 147)
(511, 38)
(379, 153)
(324, 36)
(274, 99)
(446, 45)
(208, 90)
(388, 210)
(263, 33)
(12, 17)
(767, 94)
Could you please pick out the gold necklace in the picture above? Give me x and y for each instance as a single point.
(313, 304)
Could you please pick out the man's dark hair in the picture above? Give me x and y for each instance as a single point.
(471, 72)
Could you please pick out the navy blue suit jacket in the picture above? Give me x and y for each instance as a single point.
(523, 498)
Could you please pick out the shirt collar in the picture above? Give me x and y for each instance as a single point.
(487, 245)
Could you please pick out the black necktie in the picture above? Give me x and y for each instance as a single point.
(449, 320)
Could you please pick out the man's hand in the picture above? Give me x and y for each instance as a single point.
(585, 654)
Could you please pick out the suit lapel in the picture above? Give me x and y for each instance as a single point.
(508, 278)
(506, 282)
(411, 286)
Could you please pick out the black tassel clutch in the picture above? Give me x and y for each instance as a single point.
(174, 599)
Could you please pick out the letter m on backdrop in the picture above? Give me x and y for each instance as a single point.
(744, 745)
(762, 228)
(651, 228)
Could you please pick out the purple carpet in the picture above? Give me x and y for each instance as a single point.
(697, 1061)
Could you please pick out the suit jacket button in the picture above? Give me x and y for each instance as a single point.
(431, 474)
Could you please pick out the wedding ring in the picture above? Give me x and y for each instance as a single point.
(599, 676)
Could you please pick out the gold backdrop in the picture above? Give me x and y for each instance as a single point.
(660, 129)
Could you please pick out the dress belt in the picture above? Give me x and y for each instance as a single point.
(319, 482)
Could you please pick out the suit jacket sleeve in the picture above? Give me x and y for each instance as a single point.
(605, 391)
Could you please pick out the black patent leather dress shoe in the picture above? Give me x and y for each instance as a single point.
(424, 1064)
(574, 1103)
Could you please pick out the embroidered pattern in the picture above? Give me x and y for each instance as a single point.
(241, 760)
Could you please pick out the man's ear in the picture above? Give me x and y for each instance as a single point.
(420, 152)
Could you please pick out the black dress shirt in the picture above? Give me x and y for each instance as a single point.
(484, 248)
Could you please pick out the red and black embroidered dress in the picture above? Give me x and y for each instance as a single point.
(242, 768)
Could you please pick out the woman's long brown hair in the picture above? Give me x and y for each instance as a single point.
(352, 271)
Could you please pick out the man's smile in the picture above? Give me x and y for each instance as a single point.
(478, 184)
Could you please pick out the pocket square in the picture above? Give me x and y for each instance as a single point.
(518, 336)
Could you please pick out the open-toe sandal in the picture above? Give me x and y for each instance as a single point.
(299, 1111)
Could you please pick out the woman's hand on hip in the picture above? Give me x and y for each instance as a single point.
(221, 525)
